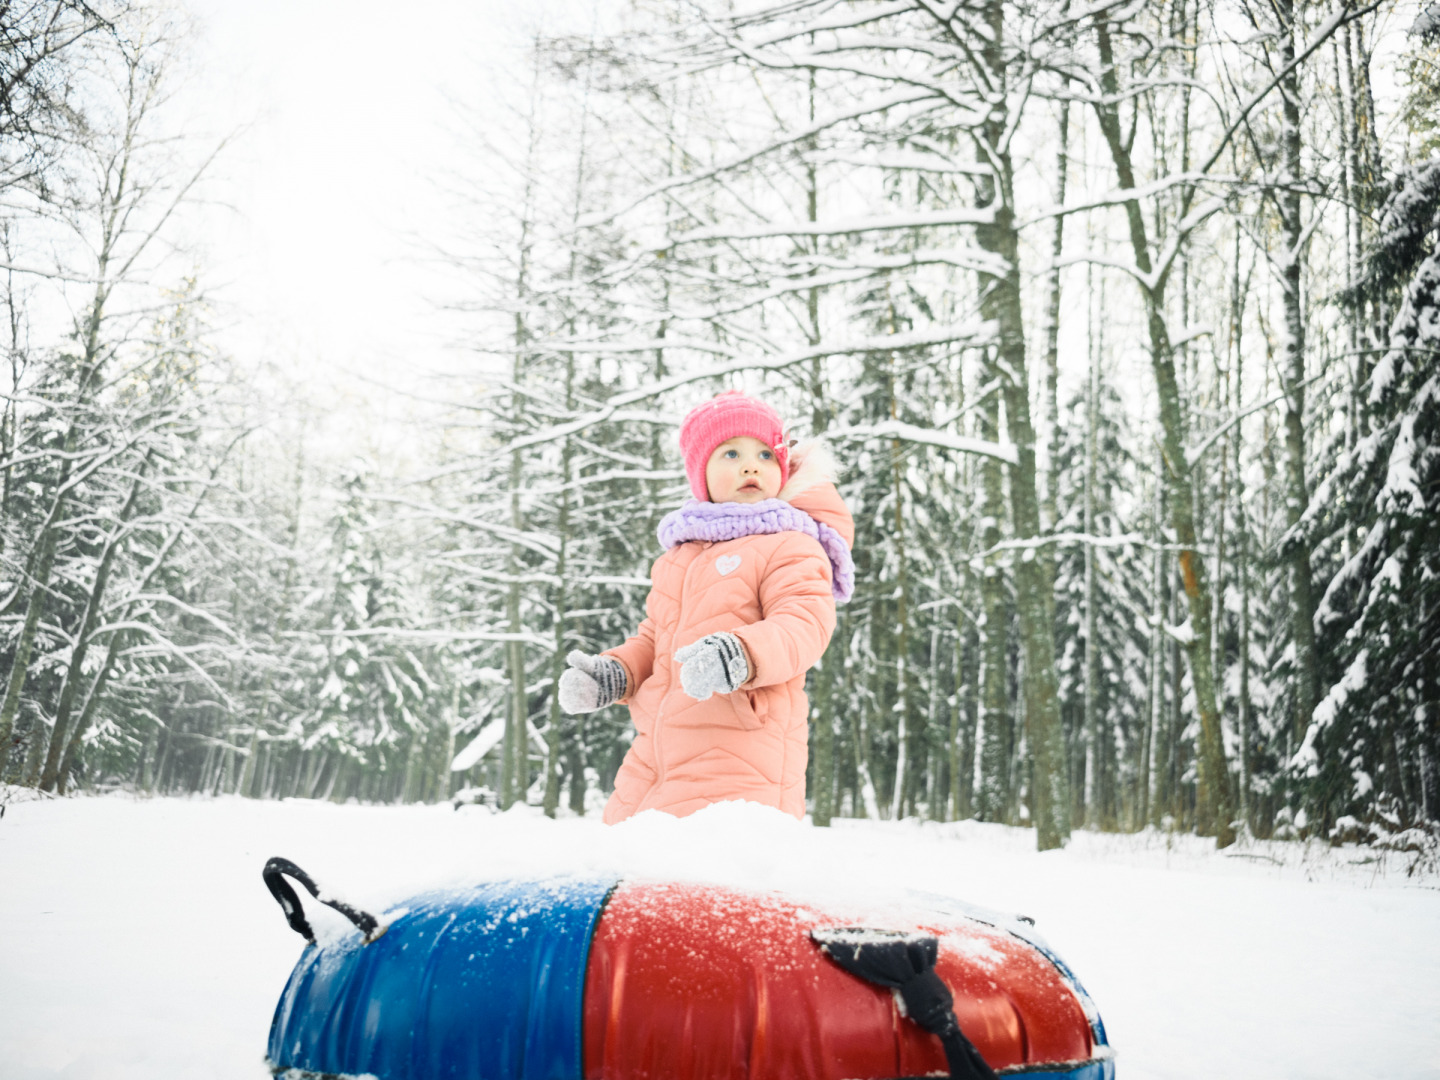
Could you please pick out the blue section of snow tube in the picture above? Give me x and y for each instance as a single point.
(486, 981)
(1100, 1069)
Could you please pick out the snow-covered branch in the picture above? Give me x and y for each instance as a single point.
(895, 429)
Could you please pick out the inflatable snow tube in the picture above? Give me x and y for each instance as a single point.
(582, 979)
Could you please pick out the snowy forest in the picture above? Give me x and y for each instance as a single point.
(1122, 320)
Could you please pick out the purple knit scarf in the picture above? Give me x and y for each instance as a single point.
(716, 522)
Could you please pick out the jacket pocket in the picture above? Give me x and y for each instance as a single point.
(750, 708)
(736, 711)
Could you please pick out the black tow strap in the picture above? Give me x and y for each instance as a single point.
(277, 869)
(906, 963)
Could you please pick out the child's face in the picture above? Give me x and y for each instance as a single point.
(742, 470)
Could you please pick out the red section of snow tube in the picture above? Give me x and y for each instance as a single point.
(692, 982)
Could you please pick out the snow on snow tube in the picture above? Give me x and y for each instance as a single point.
(583, 979)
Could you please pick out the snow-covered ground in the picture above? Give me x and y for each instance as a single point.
(138, 941)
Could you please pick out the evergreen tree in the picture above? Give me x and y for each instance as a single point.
(1371, 752)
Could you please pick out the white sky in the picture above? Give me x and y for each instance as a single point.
(314, 242)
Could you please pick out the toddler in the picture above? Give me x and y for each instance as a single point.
(741, 606)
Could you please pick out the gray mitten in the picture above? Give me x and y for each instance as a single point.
(713, 665)
(590, 682)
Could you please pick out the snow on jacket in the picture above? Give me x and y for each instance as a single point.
(769, 573)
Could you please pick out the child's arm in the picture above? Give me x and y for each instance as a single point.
(636, 656)
(799, 615)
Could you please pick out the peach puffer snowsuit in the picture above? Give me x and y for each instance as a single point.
(776, 592)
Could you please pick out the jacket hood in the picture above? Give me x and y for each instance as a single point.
(811, 488)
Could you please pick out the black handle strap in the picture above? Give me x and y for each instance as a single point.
(275, 872)
(906, 963)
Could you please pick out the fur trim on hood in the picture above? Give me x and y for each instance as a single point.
(811, 464)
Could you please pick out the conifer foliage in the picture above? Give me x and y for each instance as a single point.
(1370, 751)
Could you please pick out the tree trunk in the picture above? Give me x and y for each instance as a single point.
(515, 750)
(562, 568)
(39, 593)
(1213, 789)
(934, 807)
(1241, 568)
(513, 779)
(33, 737)
(82, 637)
(906, 735)
(1092, 649)
(993, 729)
(1034, 569)
(247, 773)
(861, 738)
(1152, 806)
(1175, 725)
(162, 762)
(1050, 402)
(958, 809)
(822, 745)
(822, 749)
(1292, 372)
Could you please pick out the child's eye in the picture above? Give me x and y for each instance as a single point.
(732, 454)
(766, 455)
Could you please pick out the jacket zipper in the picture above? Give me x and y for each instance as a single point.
(660, 709)
(659, 757)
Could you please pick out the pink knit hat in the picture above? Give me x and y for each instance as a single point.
(728, 416)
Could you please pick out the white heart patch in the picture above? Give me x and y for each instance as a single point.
(727, 563)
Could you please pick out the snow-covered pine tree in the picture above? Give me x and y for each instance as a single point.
(370, 706)
(1370, 755)
(1104, 754)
